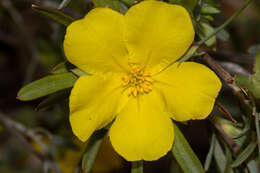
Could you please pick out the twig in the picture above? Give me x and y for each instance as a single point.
(225, 112)
(226, 22)
(21, 132)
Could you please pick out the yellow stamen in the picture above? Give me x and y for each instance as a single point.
(137, 81)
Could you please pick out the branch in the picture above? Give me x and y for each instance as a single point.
(21, 132)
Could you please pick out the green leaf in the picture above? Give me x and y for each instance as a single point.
(220, 157)
(210, 153)
(184, 155)
(207, 9)
(188, 4)
(257, 131)
(46, 86)
(56, 97)
(252, 83)
(114, 4)
(78, 72)
(137, 167)
(223, 35)
(231, 130)
(189, 53)
(92, 149)
(257, 64)
(205, 31)
(253, 166)
(244, 154)
(54, 14)
(228, 168)
(60, 68)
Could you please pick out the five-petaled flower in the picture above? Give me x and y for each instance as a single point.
(133, 78)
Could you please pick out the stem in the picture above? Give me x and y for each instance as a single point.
(137, 167)
(257, 131)
(226, 23)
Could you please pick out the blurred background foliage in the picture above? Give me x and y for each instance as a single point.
(31, 48)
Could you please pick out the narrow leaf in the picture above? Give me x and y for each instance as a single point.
(137, 167)
(78, 72)
(61, 95)
(59, 68)
(244, 154)
(210, 153)
(220, 157)
(253, 166)
(54, 14)
(207, 9)
(257, 62)
(46, 86)
(184, 155)
(92, 149)
(188, 4)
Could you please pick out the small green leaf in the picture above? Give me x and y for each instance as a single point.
(188, 4)
(78, 72)
(63, 4)
(137, 167)
(113, 4)
(244, 154)
(252, 83)
(253, 166)
(92, 149)
(184, 155)
(220, 157)
(54, 98)
(223, 35)
(54, 14)
(210, 153)
(189, 53)
(257, 64)
(207, 9)
(205, 31)
(46, 86)
(60, 68)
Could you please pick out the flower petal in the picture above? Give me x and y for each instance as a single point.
(94, 102)
(189, 90)
(95, 43)
(142, 131)
(158, 33)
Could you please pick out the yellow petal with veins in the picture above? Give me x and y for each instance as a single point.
(94, 102)
(157, 33)
(142, 130)
(189, 90)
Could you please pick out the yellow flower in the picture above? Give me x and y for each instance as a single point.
(132, 81)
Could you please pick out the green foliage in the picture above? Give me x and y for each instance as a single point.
(245, 154)
(184, 155)
(46, 86)
(53, 99)
(114, 4)
(188, 4)
(92, 149)
(54, 14)
(252, 83)
(137, 167)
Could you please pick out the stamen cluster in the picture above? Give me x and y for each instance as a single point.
(137, 81)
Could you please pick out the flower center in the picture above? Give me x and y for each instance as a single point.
(137, 81)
